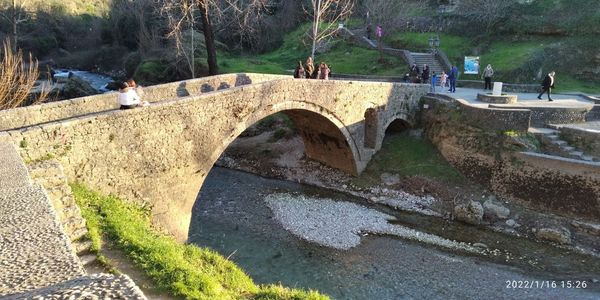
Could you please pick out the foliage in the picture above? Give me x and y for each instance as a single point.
(408, 156)
(17, 79)
(184, 270)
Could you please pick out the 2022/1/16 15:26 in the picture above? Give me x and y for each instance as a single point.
(546, 284)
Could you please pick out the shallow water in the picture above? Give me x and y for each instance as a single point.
(231, 217)
(97, 81)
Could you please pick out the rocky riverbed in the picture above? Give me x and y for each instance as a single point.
(468, 203)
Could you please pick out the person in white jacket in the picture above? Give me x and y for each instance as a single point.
(128, 98)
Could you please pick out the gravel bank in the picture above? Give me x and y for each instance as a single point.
(340, 225)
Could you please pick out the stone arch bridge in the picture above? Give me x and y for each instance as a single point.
(161, 154)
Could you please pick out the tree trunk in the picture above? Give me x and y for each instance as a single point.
(317, 17)
(209, 38)
(14, 25)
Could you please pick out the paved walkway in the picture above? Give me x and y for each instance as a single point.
(36, 258)
(524, 100)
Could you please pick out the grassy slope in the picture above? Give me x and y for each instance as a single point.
(407, 156)
(343, 57)
(184, 270)
(504, 55)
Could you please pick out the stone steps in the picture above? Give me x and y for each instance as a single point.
(554, 145)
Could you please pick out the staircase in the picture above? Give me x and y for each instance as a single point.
(428, 59)
(554, 145)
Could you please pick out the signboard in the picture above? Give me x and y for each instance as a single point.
(471, 64)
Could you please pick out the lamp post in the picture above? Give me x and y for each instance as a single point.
(434, 44)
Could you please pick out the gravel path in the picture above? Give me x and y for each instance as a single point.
(340, 225)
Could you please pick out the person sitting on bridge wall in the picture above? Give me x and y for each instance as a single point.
(128, 98)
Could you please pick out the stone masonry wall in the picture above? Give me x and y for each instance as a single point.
(160, 154)
(37, 114)
(547, 183)
(486, 118)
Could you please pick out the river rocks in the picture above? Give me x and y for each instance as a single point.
(470, 213)
(558, 235)
(77, 87)
(593, 229)
(390, 179)
(494, 210)
(511, 223)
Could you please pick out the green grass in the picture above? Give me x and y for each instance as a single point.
(184, 270)
(343, 57)
(407, 156)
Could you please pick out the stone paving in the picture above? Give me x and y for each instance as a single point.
(36, 258)
(524, 100)
(587, 126)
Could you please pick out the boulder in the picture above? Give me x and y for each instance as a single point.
(558, 235)
(77, 87)
(470, 213)
(494, 210)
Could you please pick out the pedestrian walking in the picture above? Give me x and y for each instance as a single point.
(487, 74)
(547, 85)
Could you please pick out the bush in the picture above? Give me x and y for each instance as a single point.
(151, 71)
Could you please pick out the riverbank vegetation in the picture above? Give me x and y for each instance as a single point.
(184, 270)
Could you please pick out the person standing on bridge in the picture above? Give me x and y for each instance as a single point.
(414, 73)
(547, 85)
(323, 71)
(309, 68)
(425, 74)
(434, 78)
(299, 72)
(487, 74)
(452, 77)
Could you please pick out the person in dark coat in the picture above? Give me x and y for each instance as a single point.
(414, 73)
(425, 74)
(452, 76)
(547, 85)
(299, 72)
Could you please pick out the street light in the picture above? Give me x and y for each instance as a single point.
(434, 43)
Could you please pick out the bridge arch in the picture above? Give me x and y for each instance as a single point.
(326, 138)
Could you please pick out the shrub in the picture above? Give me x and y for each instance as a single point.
(17, 79)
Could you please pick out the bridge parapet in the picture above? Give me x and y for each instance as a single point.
(59, 110)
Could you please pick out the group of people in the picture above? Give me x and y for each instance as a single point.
(415, 75)
(128, 96)
(308, 70)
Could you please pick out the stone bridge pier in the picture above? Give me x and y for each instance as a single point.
(161, 154)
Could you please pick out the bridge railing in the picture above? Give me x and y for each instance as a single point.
(59, 110)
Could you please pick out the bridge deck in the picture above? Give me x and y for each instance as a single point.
(36, 259)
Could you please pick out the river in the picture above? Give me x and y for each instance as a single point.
(231, 216)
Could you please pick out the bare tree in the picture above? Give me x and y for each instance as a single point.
(325, 16)
(242, 18)
(15, 15)
(182, 17)
(392, 14)
(18, 78)
(489, 13)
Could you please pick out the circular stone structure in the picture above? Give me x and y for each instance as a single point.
(502, 99)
